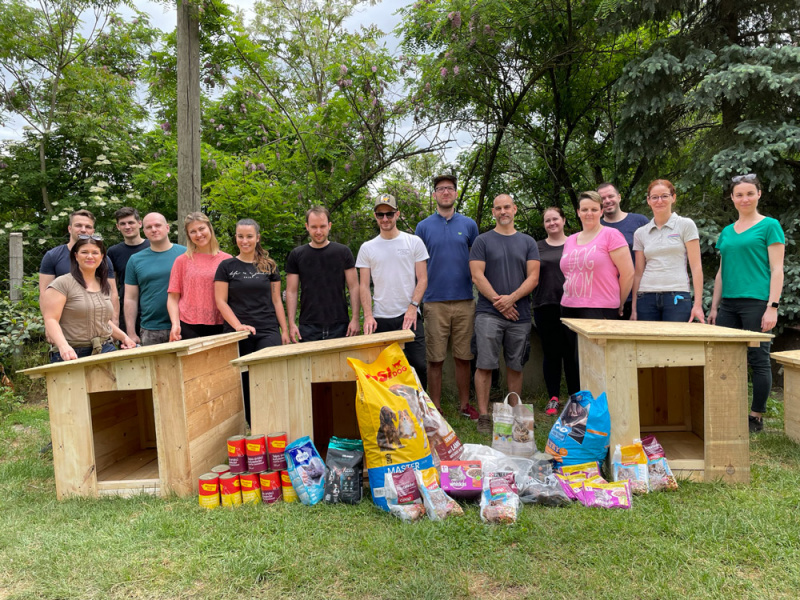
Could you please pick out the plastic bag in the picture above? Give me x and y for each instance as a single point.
(547, 492)
(438, 505)
(494, 461)
(629, 463)
(499, 504)
(402, 495)
(306, 470)
(581, 432)
(661, 477)
(512, 427)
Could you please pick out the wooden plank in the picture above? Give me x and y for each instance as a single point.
(727, 440)
(681, 446)
(646, 398)
(109, 409)
(147, 419)
(669, 354)
(129, 488)
(622, 387)
(688, 470)
(210, 449)
(645, 429)
(301, 418)
(209, 414)
(269, 398)
(791, 357)
(333, 367)
(100, 378)
(791, 402)
(201, 363)
(592, 365)
(697, 401)
(662, 331)
(71, 431)
(660, 401)
(203, 389)
(174, 464)
(133, 374)
(677, 392)
(116, 443)
(144, 461)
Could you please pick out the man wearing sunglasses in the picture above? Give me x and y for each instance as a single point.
(395, 261)
(56, 261)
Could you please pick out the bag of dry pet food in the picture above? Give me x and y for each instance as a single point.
(512, 431)
(581, 432)
(402, 495)
(390, 419)
(438, 505)
(630, 463)
(306, 470)
(607, 495)
(344, 481)
(499, 503)
(661, 477)
(444, 442)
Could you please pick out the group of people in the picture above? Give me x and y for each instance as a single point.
(620, 265)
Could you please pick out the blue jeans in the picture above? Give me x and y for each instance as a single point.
(55, 357)
(664, 306)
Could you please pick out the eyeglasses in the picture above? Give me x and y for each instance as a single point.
(389, 214)
(746, 178)
(95, 236)
(663, 197)
(444, 188)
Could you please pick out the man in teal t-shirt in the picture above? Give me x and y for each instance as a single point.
(147, 280)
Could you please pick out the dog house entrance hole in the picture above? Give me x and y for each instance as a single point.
(334, 411)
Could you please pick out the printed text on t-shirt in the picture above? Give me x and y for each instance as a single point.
(581, 272)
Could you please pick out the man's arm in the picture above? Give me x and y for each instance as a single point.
(503, 303)
(366, 300)
(131, 310)
(292, 285)
(477, 269)
(421, 272)
(351, 278)
(114, 302)
(45, 279)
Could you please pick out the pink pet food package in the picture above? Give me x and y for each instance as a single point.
(461, 478)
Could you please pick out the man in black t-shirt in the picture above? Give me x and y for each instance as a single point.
(322, 270)
(130, 226)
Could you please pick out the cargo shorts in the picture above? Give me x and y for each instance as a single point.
(446, 320)
(495, 333)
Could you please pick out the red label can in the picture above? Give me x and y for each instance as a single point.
(230, 489)
(256, 448)
(289, 495)
(221, 469)
(251, 490)
(270, 486)
(237, 454)
(208, 490)
(276, 446)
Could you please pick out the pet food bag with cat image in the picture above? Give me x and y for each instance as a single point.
(512, 431)
(581, 432)
(661, 477)
(306, 470)
(438, 505)
(390, 419)
(630, 463)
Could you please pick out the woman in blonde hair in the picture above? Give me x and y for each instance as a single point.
(247, 289)
(190, 301)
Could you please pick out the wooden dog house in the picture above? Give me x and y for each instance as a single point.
(150, 419)
(308, 388)
(791, 392)
(686, 383)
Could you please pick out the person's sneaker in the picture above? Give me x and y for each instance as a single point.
(469, 412)
(552, 406)
(756, 424)
(485, 424)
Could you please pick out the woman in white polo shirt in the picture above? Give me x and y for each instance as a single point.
(661, 289)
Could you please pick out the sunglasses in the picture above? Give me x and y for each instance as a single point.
(95, 236)
(389, 214)
(746, 178)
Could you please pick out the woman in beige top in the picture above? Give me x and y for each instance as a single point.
(77, 307)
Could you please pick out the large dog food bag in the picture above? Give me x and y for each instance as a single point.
(390, 419)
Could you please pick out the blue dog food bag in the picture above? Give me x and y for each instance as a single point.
(581, 433)
(306, 470)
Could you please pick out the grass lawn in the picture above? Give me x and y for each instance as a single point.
(703, 541)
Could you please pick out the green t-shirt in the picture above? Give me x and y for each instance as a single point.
(745, 259)
(150, 271)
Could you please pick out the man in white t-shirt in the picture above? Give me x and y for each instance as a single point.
(396, 263)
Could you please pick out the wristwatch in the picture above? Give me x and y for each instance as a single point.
(775, 304)
(414, 304)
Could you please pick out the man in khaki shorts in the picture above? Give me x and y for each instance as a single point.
(449, 305)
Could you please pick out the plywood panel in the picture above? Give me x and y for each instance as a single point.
(791, 402)
(622, 387)
(301, 419)
(269, 398)
(209, 414)
(117, 442)
(646, 398)
(210, 449)
(203, 363)
(138, 465)
(727, 440)
(669, 354)
(677, 391)
(174, 465)
(71, 430)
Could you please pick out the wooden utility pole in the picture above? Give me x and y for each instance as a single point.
(188, 112)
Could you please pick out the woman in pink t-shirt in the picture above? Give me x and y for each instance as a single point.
(190, 302)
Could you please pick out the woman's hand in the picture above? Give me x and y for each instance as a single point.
(285, 341)
(769, 319)
(175, 333)
(697, 313)
(243, 327)
(67, 352)
(712, 316)
(127, 343)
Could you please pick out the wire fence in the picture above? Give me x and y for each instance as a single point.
(33, 250)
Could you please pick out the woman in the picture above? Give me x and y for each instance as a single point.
(749, 282)
(662, 247)
(547, 311)
(77, 307)
(597, 267)
(190, 302)
(247, 289)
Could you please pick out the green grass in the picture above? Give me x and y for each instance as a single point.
(703, 541)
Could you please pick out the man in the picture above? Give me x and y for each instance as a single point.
(146, 283)
(395, 261)
(322, 270)
(449, 306)
(625, 223)
(56, 261)
(129, 224)
(505, 268)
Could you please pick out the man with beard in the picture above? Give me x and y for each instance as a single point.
(505, 268)
(449, 305)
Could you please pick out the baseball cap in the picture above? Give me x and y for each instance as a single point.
(387, 199)
(445, 177)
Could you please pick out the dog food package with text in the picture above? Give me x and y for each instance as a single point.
(461, 478)
(344, 481)
(306, 470)
(438, 505)
(630, 463)
(512, 427)
(499, 503)
(403, 496)
(581, 432)
(661, 477)
(390, 419)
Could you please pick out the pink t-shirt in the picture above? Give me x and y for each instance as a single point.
(591, 278)
(193, 279)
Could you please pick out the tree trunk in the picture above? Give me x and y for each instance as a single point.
(43, 171)
(188, 113)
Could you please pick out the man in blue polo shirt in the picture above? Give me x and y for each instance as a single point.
(449, 305)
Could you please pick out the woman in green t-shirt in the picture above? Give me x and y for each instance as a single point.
(749, 283)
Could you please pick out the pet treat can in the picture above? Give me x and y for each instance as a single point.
(208, 490)
(237, 454)
(251, 490)
(276, 446)
(230, 489)
(270, 486)
(221, 469)
(256, 448)
(289, 495)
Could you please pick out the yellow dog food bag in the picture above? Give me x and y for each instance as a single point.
(389, 419)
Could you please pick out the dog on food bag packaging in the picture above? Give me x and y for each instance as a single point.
(390, 419)
(581, 433)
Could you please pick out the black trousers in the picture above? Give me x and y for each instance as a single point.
(555, 347)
